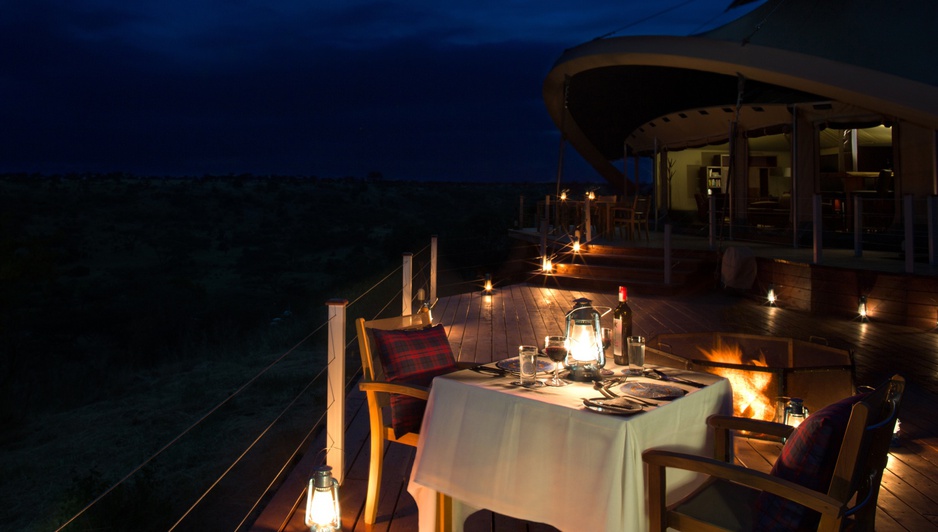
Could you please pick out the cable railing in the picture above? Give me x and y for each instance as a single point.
(374, 301)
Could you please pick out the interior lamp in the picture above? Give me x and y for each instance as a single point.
(862, 309)
(322, 502)
(795, 412)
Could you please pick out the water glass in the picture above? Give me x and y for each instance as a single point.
(636, 347)
(527, 366)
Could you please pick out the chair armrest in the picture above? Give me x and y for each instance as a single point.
(659, 460)
(725, 425)
(770, 428)
(420, 392)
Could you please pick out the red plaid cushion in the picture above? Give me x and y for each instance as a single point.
(808, 458)
(412, 357)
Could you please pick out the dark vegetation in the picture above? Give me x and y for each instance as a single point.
(129, 307)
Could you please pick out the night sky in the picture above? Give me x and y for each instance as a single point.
(412, 89)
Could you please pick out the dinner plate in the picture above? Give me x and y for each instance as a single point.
(650, 390)
(512, 365)
(620, 406)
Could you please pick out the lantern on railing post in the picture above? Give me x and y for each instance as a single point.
(576, 244)
(585, 356)
(322, 502)
(547, 265)
(795, 412)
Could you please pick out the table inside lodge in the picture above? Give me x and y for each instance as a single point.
(540, 455)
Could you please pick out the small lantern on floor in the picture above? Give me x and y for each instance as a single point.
(795, 412)
(862, 309)
(770, 296)
(487, 288)
(322, 502)
(576, 245)
(585, 355)
(547, 265)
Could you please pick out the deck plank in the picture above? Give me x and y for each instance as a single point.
(525, 313)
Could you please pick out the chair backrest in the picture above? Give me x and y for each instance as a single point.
(864, 451)
(641, 207)
(371, 362)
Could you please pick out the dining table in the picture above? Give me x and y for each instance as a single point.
(545, 455)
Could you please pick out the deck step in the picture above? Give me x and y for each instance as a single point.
(641, 269)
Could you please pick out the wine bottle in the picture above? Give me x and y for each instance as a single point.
(621, 328)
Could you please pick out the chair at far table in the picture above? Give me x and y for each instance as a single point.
(837, 453)
(410, 349)
(633, 218)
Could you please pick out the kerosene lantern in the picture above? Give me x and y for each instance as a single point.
(585, 355)
(795, 412)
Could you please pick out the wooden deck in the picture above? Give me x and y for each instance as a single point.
(481, 325)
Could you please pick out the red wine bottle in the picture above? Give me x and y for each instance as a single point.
(621, 328)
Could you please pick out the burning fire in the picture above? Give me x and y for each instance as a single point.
(750, 388)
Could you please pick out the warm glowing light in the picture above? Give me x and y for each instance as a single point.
(322, 502)
(582, 347)
(576, 246)
(563, 196)
(770, 296)
(862, 308)
(749, 387)
(488, 283)
(547, 265)
(591, 195)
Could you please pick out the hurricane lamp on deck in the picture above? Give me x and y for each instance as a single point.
(487, 287)
(770, 296)
(322, 502)
(585, 355)
(862, 308)
(576, 245)
(547, 266)
(795, 412)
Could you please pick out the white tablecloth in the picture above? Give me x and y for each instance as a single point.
(539, 455)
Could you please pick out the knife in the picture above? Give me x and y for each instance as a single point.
(680, 380)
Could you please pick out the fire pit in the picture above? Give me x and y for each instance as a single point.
(764, 370)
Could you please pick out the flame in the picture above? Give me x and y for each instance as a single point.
(750, 388)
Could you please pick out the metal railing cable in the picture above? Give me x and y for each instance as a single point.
(188, 429)
(247, 449)
(315, 426)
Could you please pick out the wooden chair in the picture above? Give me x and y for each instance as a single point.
(378, 393)
(730, 498)
(633, 218)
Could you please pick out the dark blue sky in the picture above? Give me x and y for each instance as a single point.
(414, 89)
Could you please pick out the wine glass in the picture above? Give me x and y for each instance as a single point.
(556, 349)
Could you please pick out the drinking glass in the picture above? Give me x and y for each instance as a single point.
(636, 355)
(556, 349)
(527, 367)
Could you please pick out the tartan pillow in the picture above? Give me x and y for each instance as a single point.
(808, 458)
(412, 357)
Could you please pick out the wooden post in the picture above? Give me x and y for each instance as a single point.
(335, 390)
(933, 230)
(433, 266)
(667, 254)
(408, 285)
(711, 211)
(543, 242)
(909, 234)
(547, 209)
(857, 226)
(586, 219)
(818, 229)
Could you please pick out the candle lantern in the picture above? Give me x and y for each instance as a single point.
(862, 309)
(795, 412)
(322, 502)
(770, 296)
(585, 355)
